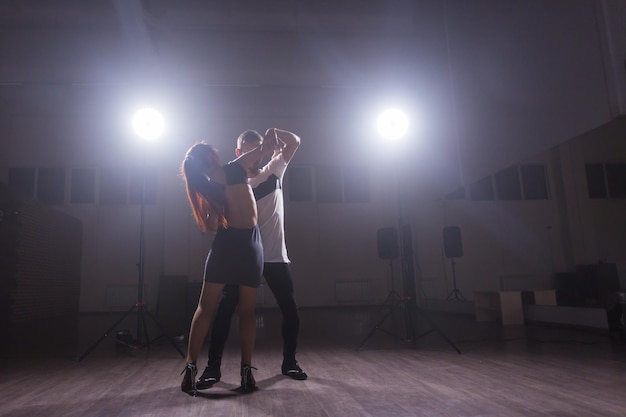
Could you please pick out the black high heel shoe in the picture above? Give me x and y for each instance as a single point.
(189, 380)
(248, 384)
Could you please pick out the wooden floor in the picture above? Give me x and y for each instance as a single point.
(518, 371)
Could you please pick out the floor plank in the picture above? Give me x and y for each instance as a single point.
(507, 372)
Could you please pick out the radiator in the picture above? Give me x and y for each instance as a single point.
(352, 291)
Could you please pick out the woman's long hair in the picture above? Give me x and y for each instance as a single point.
(205, 197)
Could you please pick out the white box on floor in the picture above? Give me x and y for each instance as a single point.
(505, 306)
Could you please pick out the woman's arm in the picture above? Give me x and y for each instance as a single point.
(253, 157)
(289, 144)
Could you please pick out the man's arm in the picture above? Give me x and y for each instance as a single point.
(290, 140)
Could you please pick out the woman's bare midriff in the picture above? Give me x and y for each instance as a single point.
(240, 206)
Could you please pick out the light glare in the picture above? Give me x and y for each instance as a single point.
(148, 124)
(392, 124)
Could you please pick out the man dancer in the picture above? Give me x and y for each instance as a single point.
(267, 185)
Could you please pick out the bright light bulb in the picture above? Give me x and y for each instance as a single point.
(392, 124)
(148, 124)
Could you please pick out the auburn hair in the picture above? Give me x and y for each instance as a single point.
(205, 196)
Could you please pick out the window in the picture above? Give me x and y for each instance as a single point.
(458, 194)
(328, 184)
(508, 185)
(534, 182)
(113, 183)
(481, 190)
(596, 186)
(51, 185)
(616, 180)
(300, 184)
(83, 186)
(606, 180)
(22, 181)
(356, 184)
(332, 184)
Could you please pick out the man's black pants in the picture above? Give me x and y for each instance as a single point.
(279, 280)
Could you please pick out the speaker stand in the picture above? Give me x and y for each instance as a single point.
(399, 302)
(393, 297)
(406, 302)
(410, 310)
(455, 294)
(393, 301)
(434, 328)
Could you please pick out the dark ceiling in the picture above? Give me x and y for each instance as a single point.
(493, 82)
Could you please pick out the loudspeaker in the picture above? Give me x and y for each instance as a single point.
(568, 289)
(388, 243)
(589, 286)
(598, 282)
(452, 244)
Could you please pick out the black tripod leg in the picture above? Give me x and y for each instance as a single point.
(162, 330)
(435, 328)
(92, 347)
(391, 300)
(390, 297)
(409, 325)
(142, 317)
(377, 325)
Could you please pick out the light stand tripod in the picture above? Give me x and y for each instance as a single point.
(455, 293)
(408, 271)
(142, 310)
(395, 300)
(408, 301)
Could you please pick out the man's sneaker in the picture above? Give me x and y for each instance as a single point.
(189, 380)
(210, 376)
(292, 370)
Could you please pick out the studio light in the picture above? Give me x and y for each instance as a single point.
(396, 242)
(392, 124)
(148, 124)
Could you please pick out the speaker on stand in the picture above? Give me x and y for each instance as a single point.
(453, 248)
(389, 248)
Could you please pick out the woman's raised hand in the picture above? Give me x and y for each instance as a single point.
(270, 141)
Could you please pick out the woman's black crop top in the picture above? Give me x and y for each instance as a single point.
(235, 174)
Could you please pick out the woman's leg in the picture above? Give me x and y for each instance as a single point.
(202, 318)
(247, 322)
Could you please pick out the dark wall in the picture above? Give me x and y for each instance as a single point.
(40, 258)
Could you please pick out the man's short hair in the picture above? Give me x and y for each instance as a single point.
(248, 136)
